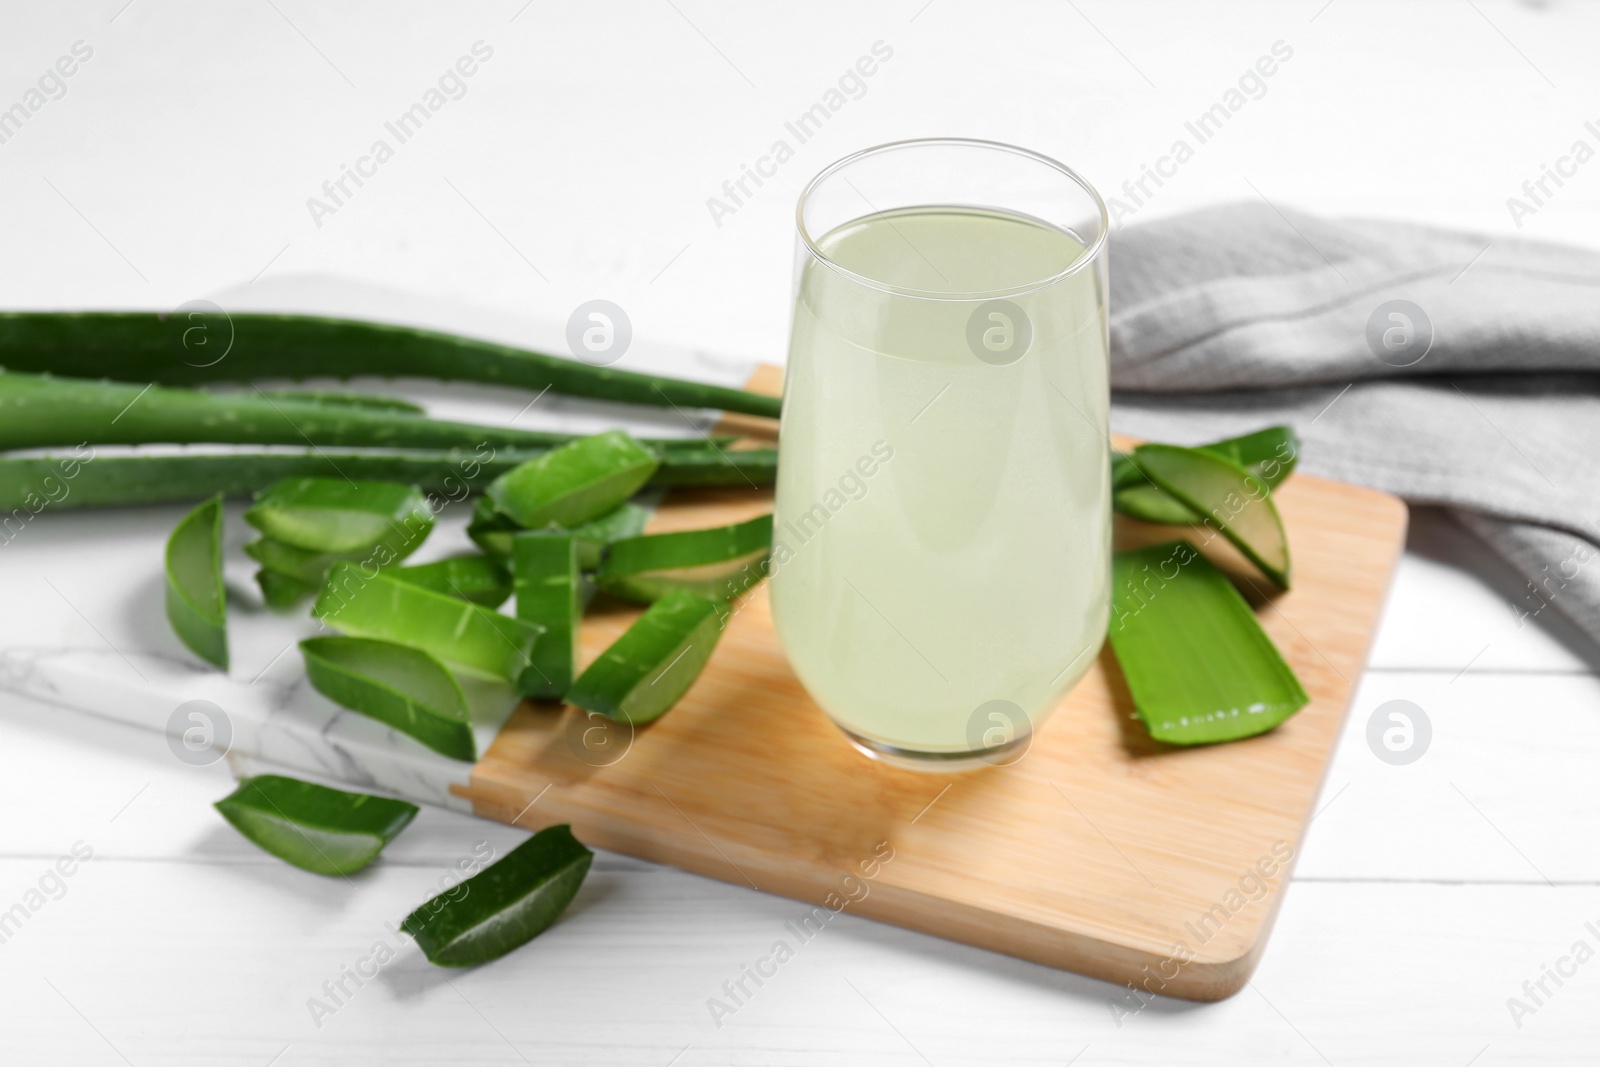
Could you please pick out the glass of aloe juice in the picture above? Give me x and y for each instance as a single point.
(942, 547)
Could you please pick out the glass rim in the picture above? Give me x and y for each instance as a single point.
(1091, 252)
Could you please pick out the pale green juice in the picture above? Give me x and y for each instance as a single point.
(942, 536)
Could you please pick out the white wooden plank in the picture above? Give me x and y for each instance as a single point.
(182, 962)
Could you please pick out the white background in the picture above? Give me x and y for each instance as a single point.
(178, 165)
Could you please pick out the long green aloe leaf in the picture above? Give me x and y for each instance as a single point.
(370, 603)
(334, 398)
(1269, 454)
(504, 906)
(1198, 664)
(1237, 503)
(654, 662)
(196, 599)
(479, 579)
(574, 483)
(44, 411)
(326, 831)
(549, 595)
(342, 516)
(156, 479)
(401, 686)
(147, 346)
(719, 563)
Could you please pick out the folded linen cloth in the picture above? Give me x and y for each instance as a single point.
(1448, 368)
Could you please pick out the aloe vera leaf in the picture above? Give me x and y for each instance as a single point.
(505, 905)
(719, 563)
(654, 662)
(1269, 454)
(548, 582)
(401, 686)
(337, 515)
(492, 530)
(282, 591)
(574, 483)
(348, 400)
(1148, 503)
(596, 536)
(1236, 501)
(117, 480)
(146, 346)
(476, 578)
(1197, 662)
(301, 564)
(471, 638)
(43, 411)
(196, 599)
(325, 831)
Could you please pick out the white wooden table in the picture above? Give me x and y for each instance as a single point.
(578, 163)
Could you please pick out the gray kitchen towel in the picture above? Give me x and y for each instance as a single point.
(1448, 368)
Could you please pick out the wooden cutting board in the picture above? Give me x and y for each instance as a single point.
(1101, 851)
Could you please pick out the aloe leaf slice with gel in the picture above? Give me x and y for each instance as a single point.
(1269, 454)
(326, 831)
(282, 591)
(479, 579)
(303, 564)
(466, 635)
(397, 685)
(550, 596)
(492, 531)
(196, 599)
(1198, 664)
(1238, 502)
(336, 515)
(576, 482)
(505, 905)
(654, 662)
(718, 563)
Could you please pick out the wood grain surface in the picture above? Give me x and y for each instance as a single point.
(1101, 851)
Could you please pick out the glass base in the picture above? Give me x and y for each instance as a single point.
(940, 762)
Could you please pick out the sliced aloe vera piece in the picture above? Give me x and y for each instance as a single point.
(470, 637)
(550, 596)
(574, 483)
(299, 563)
(599, 534)
(505, 905)
(491, 529)
(476, 578)
(1237, 502)
(196, 601)
(1198, 664)
(402, 686)
(281, 592)
(327, 831)
(718, 563)
(335, 515)
(1269, 454)
(654, 662)
(1150, 504)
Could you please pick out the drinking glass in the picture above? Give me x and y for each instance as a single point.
(942, 540)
